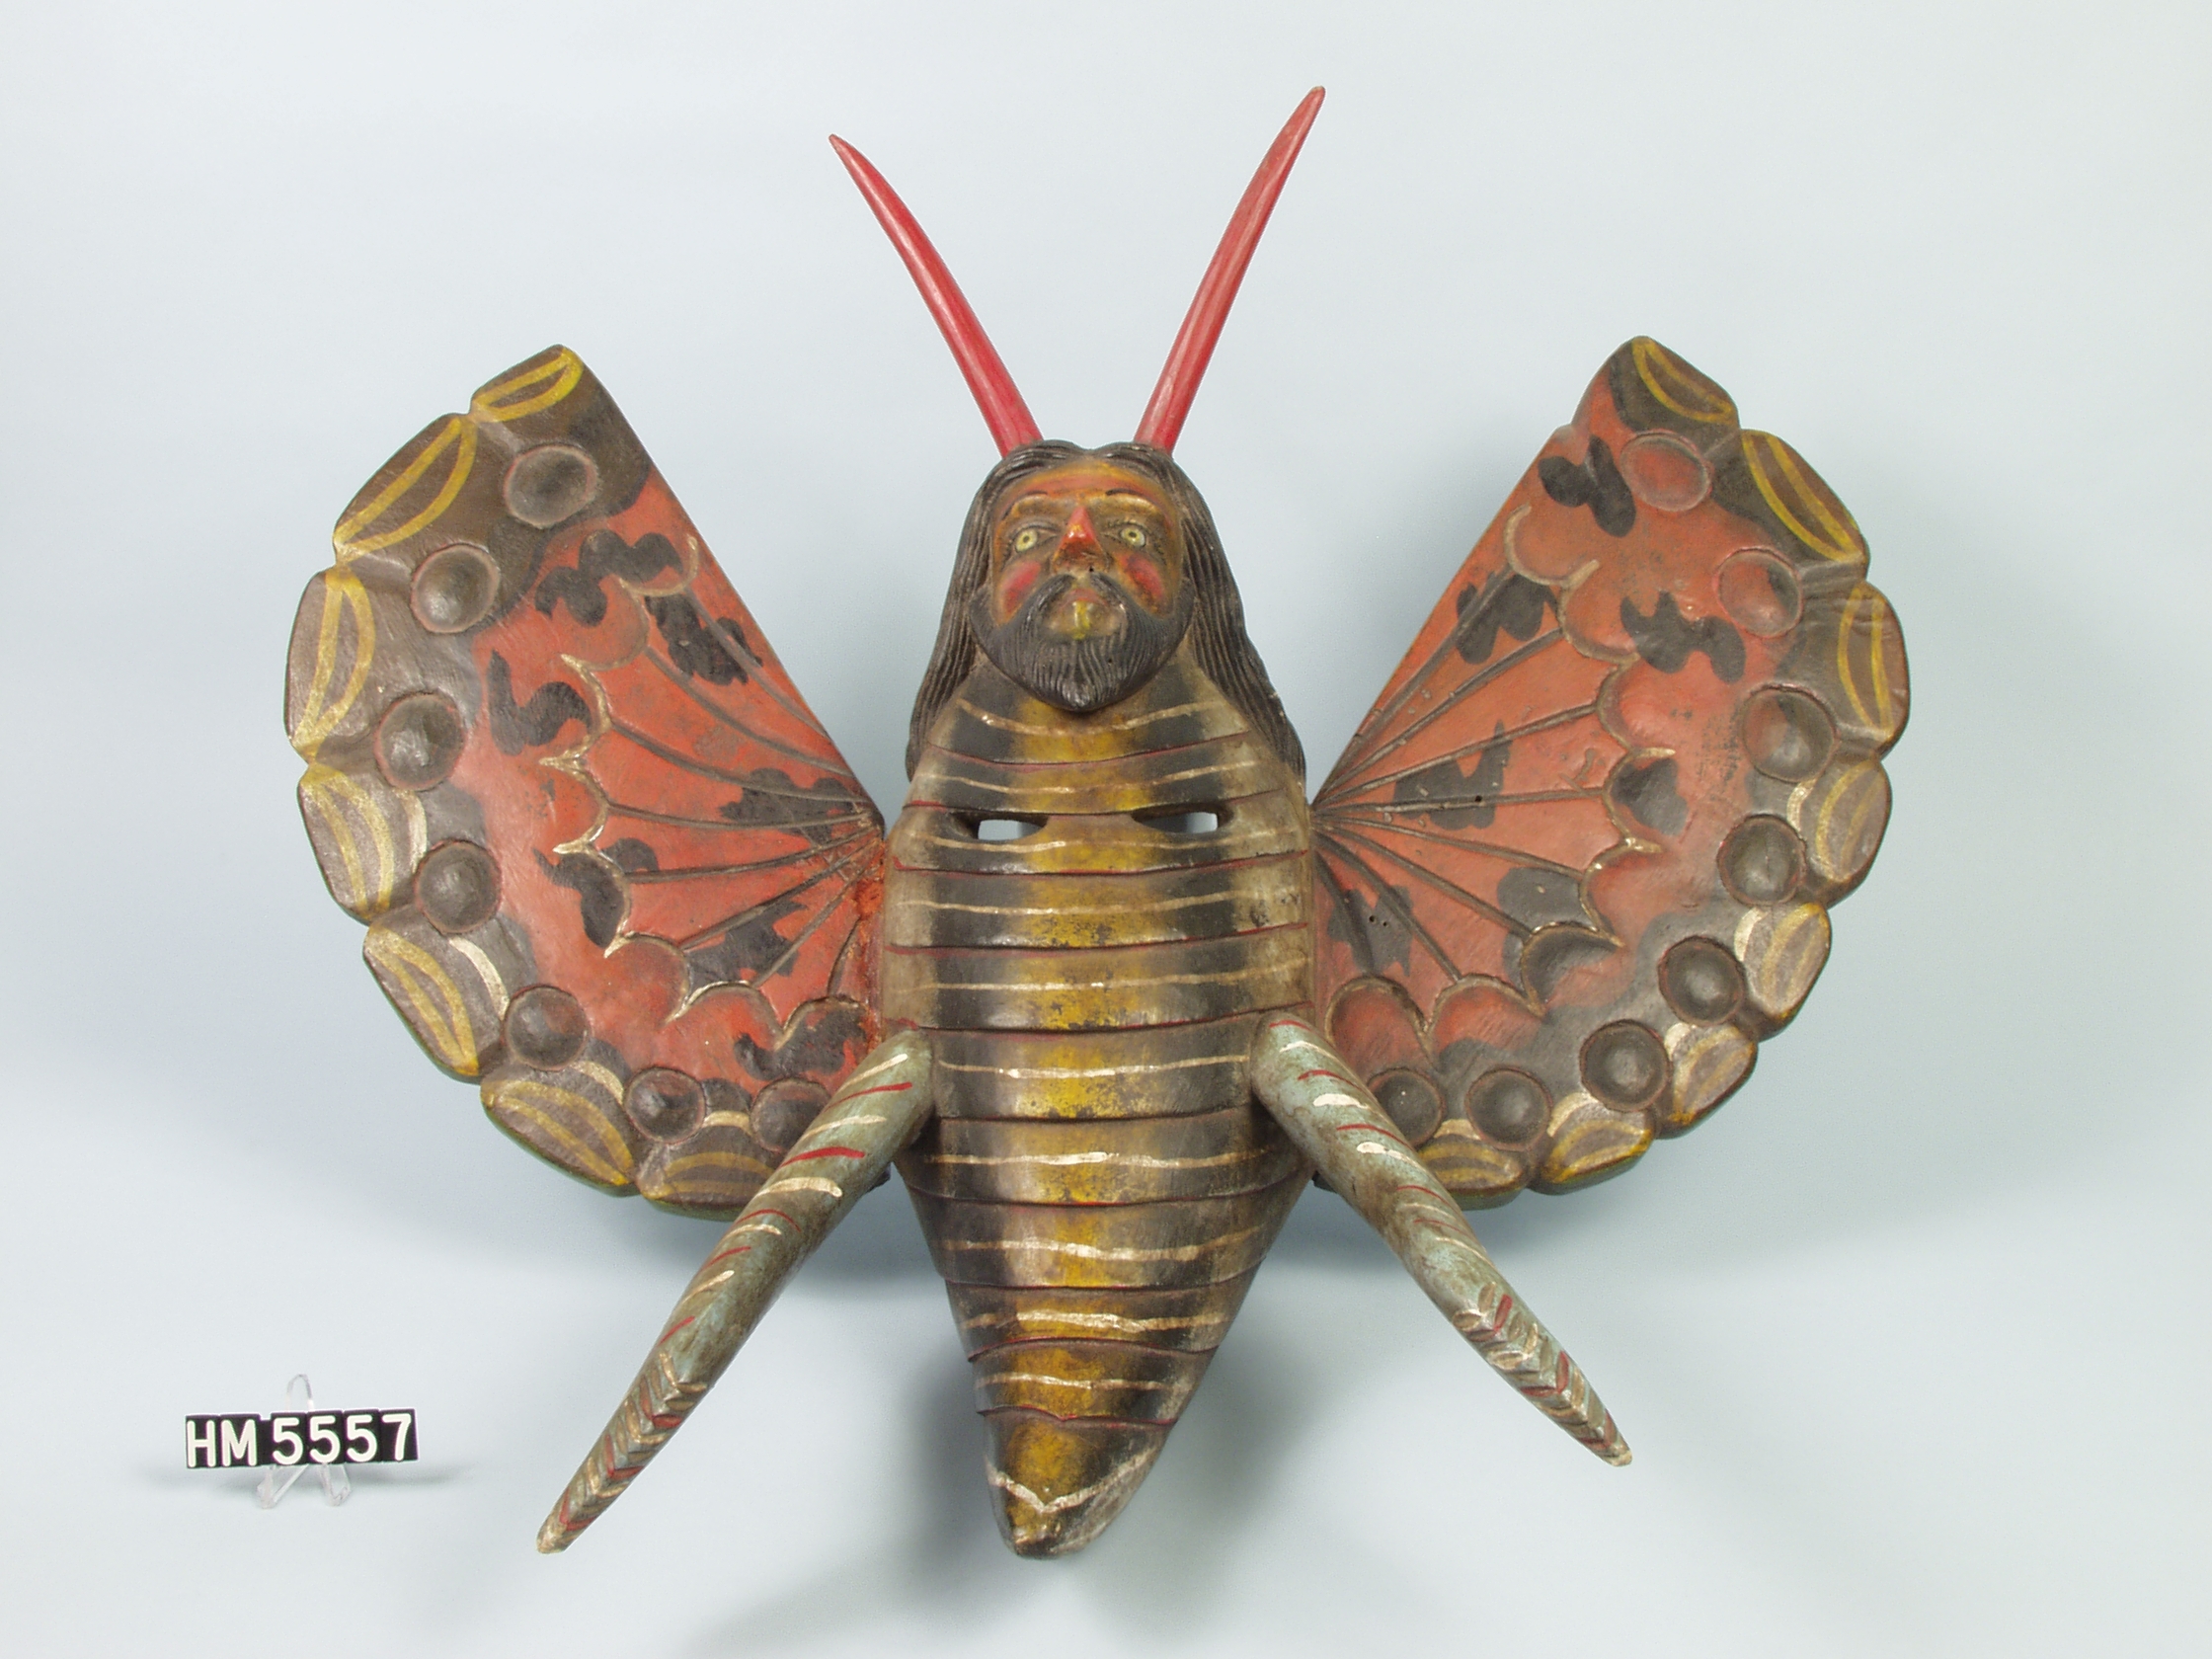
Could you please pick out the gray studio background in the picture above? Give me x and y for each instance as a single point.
(1909, 1341)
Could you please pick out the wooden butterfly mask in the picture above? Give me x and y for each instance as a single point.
(1112, 991)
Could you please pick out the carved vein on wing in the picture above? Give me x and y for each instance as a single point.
(1356, 814)
(1451, 699)
(781, 896)
(1358, 754)
(723, 774)
(1384, 897)
(732, 641)
(1543, 723)
(828, 761)
(1442, 885)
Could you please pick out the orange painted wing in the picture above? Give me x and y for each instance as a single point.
(1577, 860)
(612, 866)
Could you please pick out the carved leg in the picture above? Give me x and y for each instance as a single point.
(1337, 1124)
(864, 1127)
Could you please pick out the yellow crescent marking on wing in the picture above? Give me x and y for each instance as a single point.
(316, 792)
(451, 1031)
(1825, 833)
(459, 431)
(1843, 626)
(1568, 1105)
(494, 986)
(514, 1097)
(341, 592)
(418, 827)
(1840, 547)
(1876, 612)
(599, 1075)
(564, 371)
(1782, 938)
(1877, 615)
(1841, 534)
(387, 866)
(718, 1161)
(1650, 353)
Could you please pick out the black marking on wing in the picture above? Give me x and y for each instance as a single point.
(746, 947)
(1667, 641)
(1534, 897)
(1378, 938)
(1545, 959)
(603, 554)
(693, 644)
(770, 800)
(1596, 484)
(818, 1048)
(1465, 799)
(1509, 602)
(1648, 792)
(535, 723)
(599, 889)
(633, 856)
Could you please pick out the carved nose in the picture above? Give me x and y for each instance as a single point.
(1078, 543)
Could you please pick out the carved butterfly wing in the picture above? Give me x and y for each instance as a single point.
(612, 867)
(1576, 862)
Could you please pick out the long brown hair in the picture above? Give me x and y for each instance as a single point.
(1217, 628)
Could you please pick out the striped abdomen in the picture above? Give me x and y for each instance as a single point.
(1097, 1186)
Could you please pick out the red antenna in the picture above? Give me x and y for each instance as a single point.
(1011, 425)
(1202, 326)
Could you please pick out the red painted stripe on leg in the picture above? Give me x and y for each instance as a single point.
(826, 1152)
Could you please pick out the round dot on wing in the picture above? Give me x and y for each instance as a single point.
(454, 589)
(546, 1027)
(418, 741)
(550, 483)
(666, 1104)
(1701, 981)
(1786, 732)
(1760, 591)
(783, 1110)
(1665, 471)
(1762, 861)
(1507, 1105)
(1625, 1063)
(458, 886)
(1411, 1101)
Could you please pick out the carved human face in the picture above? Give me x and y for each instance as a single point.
(1087, 596)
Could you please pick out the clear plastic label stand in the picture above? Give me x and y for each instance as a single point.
(338, 1485)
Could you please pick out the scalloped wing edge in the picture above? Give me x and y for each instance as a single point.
(1495, 1111)
(365, 640)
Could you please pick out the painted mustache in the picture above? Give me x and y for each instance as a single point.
(1088, 673)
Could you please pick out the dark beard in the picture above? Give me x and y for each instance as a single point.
(1087, 674)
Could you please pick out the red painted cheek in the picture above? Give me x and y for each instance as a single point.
(1146, 580)
(1014, 584)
